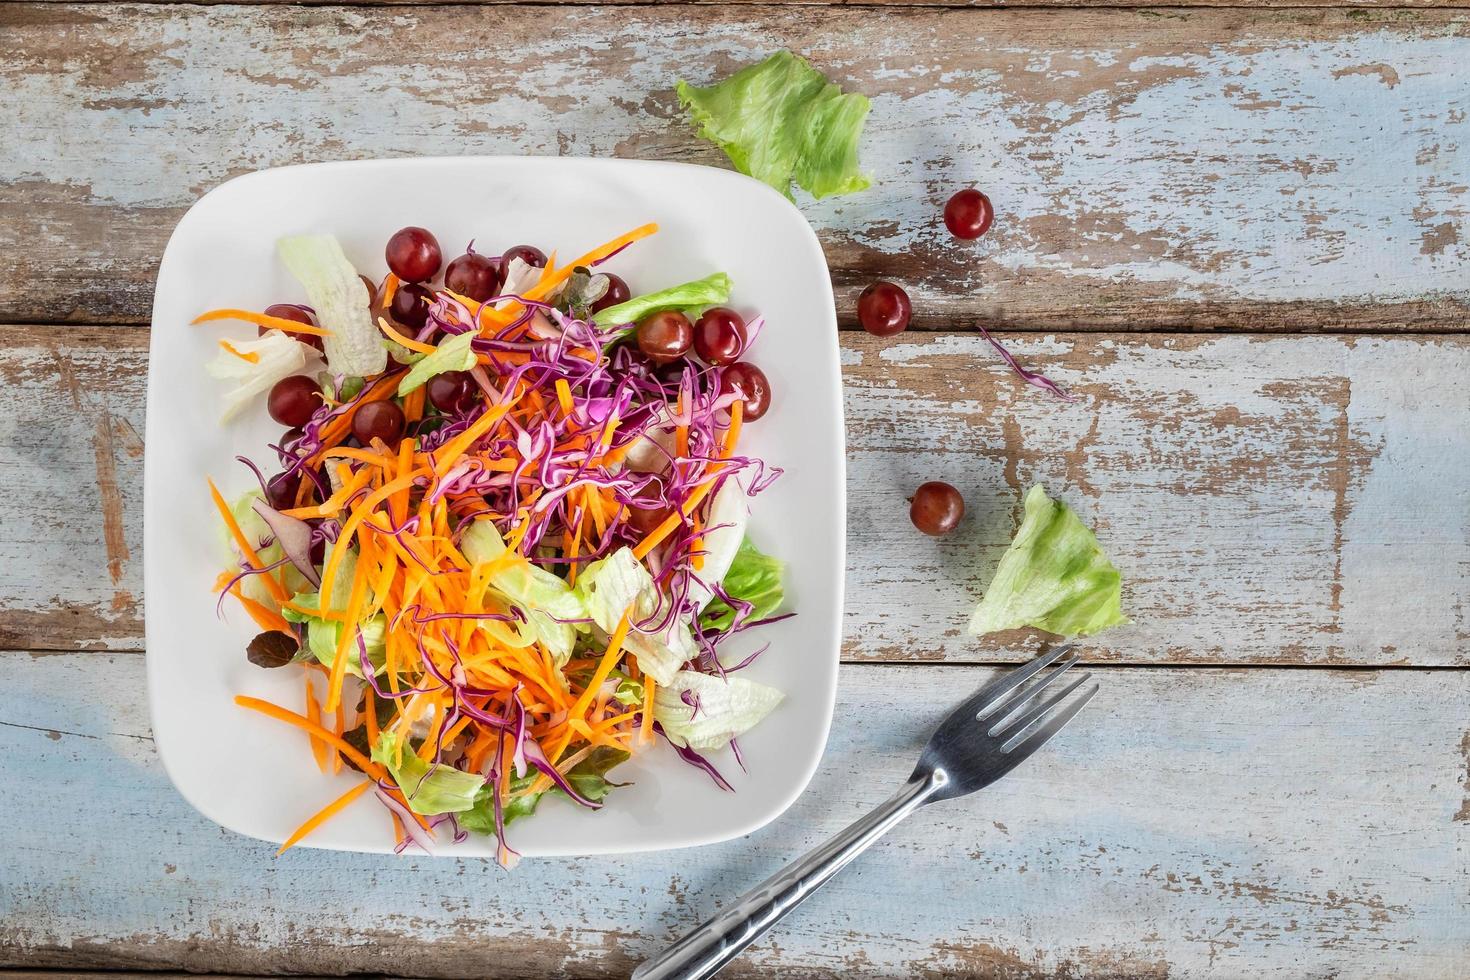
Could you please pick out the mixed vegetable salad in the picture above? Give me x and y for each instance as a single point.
(502, 535)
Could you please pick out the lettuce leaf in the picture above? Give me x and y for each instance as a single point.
(588, 777)
(453, 354)
(429, 789)
(723, 708)
(335, 292)
(277, 356)
(544, 597)
(1054, 576)
(753, 577)
(781, 121)
(712, 290)
(322, 634)
(618, 583)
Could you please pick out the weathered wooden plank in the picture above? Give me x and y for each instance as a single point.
(1207, 168)
(1268, 499)
(1273, 823)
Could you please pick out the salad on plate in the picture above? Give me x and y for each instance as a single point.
(501, 536)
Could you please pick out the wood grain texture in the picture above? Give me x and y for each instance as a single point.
(1268, 499)
(1271, 823)
(1272, 170)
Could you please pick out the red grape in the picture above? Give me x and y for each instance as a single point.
(749, 382)
(529, 254)
(719, 336)
(648, 510)
(936, 508)
(474, 276)
(381, 420)
(410, 305)
(413, 254)
(883, 309)
(293, 400)
(968, 214)
(665, 337)
(453, 391)
(617, 292)
(286, 311)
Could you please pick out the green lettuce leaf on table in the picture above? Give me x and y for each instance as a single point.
(1054, 576)
(754, 577)
(781, 121)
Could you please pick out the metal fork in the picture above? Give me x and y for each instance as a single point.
(984, 738)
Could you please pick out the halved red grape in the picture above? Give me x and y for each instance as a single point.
(936, 508)
(884, 309)
(664, 337)
(529, 254)
(286, 311)
(474, 276)
(293, 400)
(453, 391)
(381, 420)
(749, 382)
(617, 292)
(719, 336)
(968, 214)
(413, 254)
(410, 305)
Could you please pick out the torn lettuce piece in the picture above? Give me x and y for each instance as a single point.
(753, 577)
(717, 709)
(712, 290)
(781, 121)
(335, 292)
(1054, 576)
(322, 634)
(619, 583)
(548, 602)
(429, 789)
(453, 354)
(277, 356)
(588, 777)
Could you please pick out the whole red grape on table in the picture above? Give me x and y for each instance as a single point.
(936, 508)
(883, 309)
(968, 214)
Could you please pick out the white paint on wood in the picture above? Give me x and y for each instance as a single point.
(1141, 163)
(1190, 823)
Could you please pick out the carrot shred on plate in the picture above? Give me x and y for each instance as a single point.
(261, 320)
(323, 815)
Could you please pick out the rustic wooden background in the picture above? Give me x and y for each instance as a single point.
(1238, 233)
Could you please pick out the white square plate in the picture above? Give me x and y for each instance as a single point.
(255, 775)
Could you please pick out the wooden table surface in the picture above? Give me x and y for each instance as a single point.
(1238, 233)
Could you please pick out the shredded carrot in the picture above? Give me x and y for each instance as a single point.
(390, 288)
(319, 748)
(261, 320)
(243, 355)
(324, 814)
(564, 397)
(604, 667)
(266, 618)
(645, 728)
(337, 730)
(292, 718)
(399, 338)
(370, 717)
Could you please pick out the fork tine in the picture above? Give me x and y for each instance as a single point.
(1023, 744)
(1014, 703)
(994, 694)
(1018, 721)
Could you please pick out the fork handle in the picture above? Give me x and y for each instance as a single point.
(708, 949)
